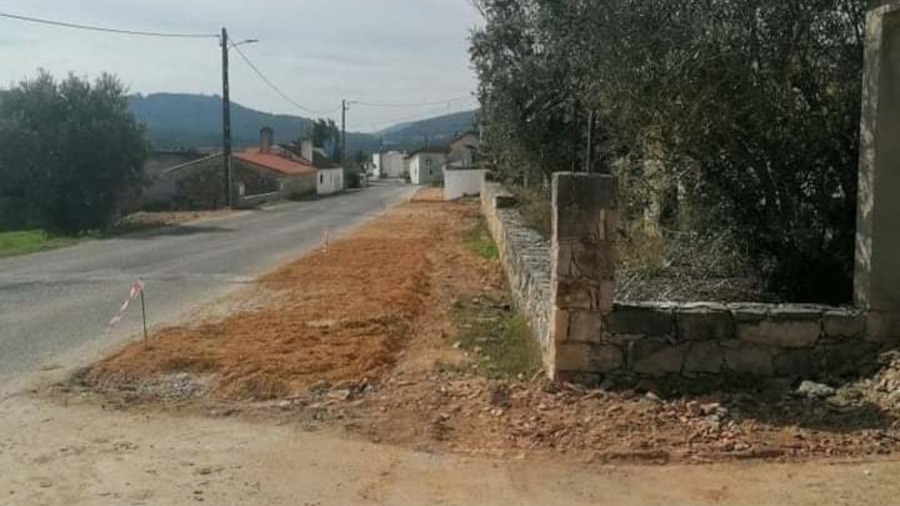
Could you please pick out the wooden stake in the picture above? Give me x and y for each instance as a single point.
(144, 315)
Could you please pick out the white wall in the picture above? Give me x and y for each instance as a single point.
(330, 181)
(377, 165)
(392, 165)
(462, 183)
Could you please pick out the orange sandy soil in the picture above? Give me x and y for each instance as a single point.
(359, 337)
(341, 313)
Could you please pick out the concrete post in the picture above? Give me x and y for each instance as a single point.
(585, 216)
(877, 278)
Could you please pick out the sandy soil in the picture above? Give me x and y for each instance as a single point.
(81, 455)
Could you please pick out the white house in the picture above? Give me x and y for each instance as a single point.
(331, 180)
(329, 177)
(426, 165)
(392, 164)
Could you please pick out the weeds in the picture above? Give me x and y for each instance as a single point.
(477, 239)
(497, 335)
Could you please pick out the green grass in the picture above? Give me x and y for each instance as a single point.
(23, 242)
(478, 240)
(31, 241)
(497, 336)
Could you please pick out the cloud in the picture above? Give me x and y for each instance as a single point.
(317, 51)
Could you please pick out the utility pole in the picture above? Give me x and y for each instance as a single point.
(226, 122)
(343, 132)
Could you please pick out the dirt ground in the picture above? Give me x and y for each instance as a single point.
(84, 455)
(163, 218)
(360, 337)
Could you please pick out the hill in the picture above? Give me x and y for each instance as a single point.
(188, 120)
(438, 130)
(196, 120)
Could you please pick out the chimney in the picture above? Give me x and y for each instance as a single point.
(265, 139)
(306, 150)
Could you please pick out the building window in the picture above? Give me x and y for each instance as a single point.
(322, 178)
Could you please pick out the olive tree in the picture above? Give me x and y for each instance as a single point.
(69, 149)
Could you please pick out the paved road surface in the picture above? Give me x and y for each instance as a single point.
(55, 302)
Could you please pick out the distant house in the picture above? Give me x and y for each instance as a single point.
(426, 165)
(462, 176)
(464, 150)
(265, 173)
(389, 165)
(330, 178)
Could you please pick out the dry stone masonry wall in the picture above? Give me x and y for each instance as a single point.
(525, 256)
(565, 289)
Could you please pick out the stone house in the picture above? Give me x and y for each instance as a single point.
(265, 173)
(160, 191)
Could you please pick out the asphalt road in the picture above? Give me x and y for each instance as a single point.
(55, 302)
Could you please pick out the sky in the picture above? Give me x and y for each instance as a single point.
(317, 51)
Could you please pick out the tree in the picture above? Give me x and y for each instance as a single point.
(69, 150)
(752, 108)
(323, 133)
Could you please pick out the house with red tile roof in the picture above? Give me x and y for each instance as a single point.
(265, 173)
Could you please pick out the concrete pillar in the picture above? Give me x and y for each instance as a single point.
(877, 278)
(585, 216)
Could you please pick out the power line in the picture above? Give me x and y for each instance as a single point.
(108, 30)
(420, 116)
(272, 85)
(413, 104)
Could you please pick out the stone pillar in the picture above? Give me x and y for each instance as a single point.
(585, 216)
(877, 279)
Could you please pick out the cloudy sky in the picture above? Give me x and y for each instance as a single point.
(317, 51)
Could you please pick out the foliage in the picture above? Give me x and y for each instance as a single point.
(69, 150)
(477, 239)
(497, 335)
(749, 109)
(323, 132)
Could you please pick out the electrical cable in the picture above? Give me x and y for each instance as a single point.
(107, 30)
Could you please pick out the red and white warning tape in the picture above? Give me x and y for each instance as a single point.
(136, 289)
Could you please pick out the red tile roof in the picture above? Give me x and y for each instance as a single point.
(275, 163)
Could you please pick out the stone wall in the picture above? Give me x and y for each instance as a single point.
(525, 256)
(693, 340)
(565, 289)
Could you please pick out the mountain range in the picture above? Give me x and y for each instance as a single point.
(195, 121)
